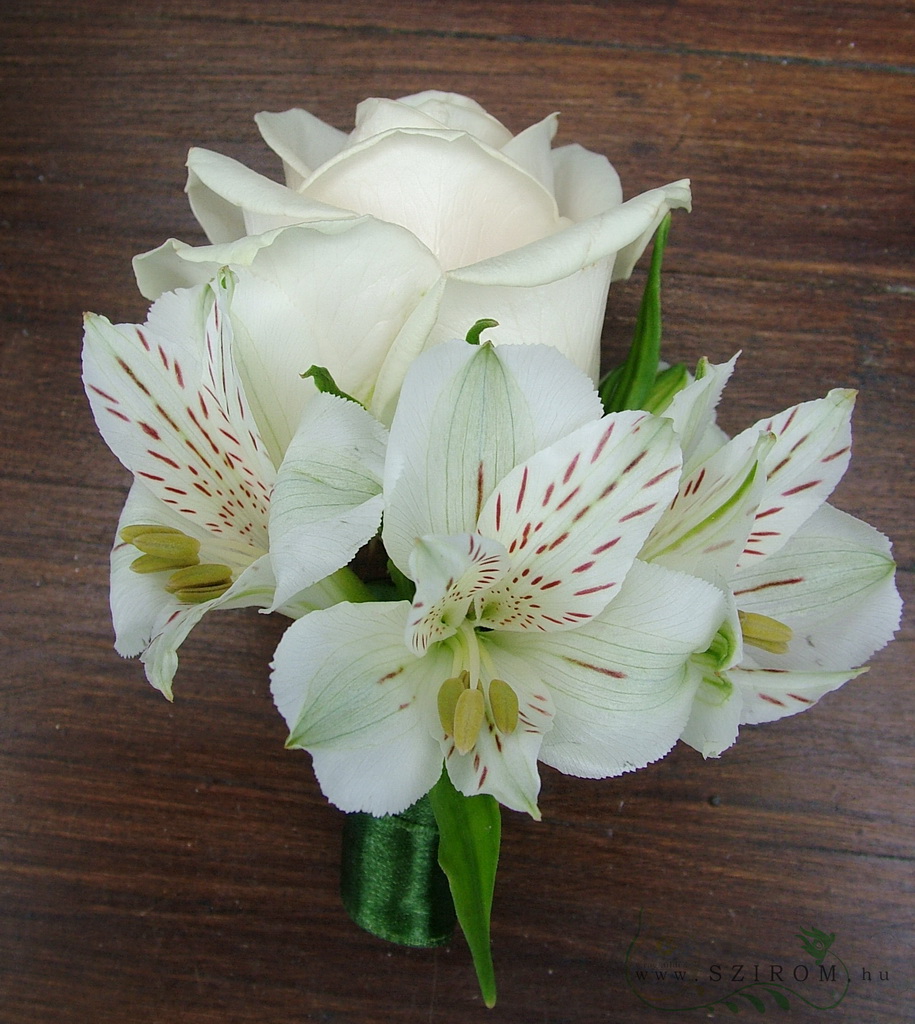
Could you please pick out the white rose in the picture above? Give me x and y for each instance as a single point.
(523, 233)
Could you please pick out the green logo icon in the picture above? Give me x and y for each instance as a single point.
(817, 977)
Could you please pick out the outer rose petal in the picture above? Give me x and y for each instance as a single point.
(303, 141)
(288, 314)
(362, 705)
(625, 229)
(230, 200)
(586, 184)
(388, 176)
(531, 150)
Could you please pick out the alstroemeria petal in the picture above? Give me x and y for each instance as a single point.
(301, 140)
(389, 176)
(151, 622)
(706, 527)
(692, 410)
(811, 452)
(362, 705)
(171, 408)
(714, 717)
(505, 765)
(574, 516)
(769, 694)
(586, 184)
(449, 572)
(619, 683)
(327, 500)
(453, 439)
(833, 584)
(466, 417)
(230, 200)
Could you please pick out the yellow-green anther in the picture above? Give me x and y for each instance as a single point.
(468, 717)
(182, 550)
(504, 703)
(152, 563)
(200, 595)
(448, 695)
(199, 577)
(129, 533)
(764, 632)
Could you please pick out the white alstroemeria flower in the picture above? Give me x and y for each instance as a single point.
(517, 510)
(811, 589)
(213, 519)
(523, 233)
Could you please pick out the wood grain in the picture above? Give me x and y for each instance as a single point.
(172, 862)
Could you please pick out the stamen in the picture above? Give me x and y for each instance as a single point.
(198, 583)
(130, 533)
(469, 713)
(451, 689)
(163, 548)
(153, 563)
(200, 595)
(766, 633)
(179, 548)
(504, 704)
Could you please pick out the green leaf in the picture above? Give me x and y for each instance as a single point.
(666, 384)
(326, 384)
(468, 852)
(780, 999)
(756, 1003)
(629, 386)
(473, 335)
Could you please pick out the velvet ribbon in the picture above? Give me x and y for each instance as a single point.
(390, 879)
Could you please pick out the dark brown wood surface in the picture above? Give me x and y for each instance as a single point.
(172, 863)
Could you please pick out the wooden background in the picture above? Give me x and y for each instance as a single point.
(172, 863)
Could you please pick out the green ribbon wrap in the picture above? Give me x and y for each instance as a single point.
(390, 879)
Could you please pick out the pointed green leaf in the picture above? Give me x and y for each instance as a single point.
(473, 335)
(326, 384)
(470, 829)
(780, 999)
(754, 1001)
(667, 383)
(630, 385)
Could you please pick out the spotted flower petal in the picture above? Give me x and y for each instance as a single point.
(810, 455)
(573, 517)
(449, 572)
(467, 416)
(361, 702)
